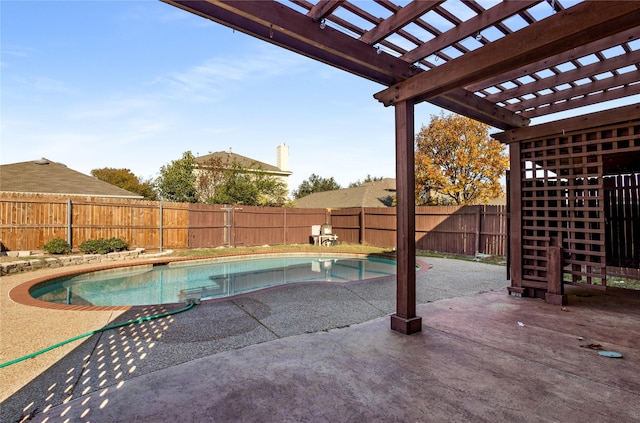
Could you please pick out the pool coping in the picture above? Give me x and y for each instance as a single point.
(21, 293)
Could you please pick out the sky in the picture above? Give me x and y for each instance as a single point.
(135, 84)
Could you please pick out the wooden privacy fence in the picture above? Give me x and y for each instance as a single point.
(622, 217)
(27, 222)
(238, 226)
(463, 230)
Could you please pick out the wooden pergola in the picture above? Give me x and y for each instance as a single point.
(499, 62)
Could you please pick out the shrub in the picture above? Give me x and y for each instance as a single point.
(57, 246)
(116, 244)
(102, 246)
(94, 246)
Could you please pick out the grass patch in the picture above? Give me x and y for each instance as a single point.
(620, 282)
(341, 248)
(612, 281)
(488, 259)
(299, 248)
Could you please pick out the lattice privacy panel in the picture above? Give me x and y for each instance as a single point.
(563, 200)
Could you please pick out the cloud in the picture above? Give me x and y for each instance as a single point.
(133, 104)
(204, 81)
(13, 52)
(41, 84)
(150, 11)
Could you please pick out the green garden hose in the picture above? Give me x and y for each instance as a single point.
(93, 332)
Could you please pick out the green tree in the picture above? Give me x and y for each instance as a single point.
(177, 180)
(251, 188)
(125, 179)
(210, 175)
(368, 179)
(456, 162)
(315, 183)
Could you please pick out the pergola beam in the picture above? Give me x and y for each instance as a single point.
(603, 84)
(581, 24)
(478, 108)
(284, 27)
(568, 77)
(566, 56)
(586, 100)
(280, 25)
(577, 123)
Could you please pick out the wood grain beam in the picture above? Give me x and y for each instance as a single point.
(569, 55)
(280, 25)
(603, 84)
(468, 104)
(587, 100)
(398, 20)
(573, 27)
(284, 27)
(568, 77)
(323, 8)
(578, 123)
(467, 28)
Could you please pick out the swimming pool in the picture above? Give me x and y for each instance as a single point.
(178, 281)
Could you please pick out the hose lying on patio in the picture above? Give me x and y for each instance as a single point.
(190, 305)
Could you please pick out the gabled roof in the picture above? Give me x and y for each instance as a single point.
(48, 177)
(245, 162)
(369, 194)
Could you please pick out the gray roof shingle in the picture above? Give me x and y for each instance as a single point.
(48, 177)
(369, 194)
(245, 162)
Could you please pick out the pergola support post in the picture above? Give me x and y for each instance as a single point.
(515, 222)
(405, 319)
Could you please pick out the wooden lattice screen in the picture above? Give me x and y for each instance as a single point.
(563, 201)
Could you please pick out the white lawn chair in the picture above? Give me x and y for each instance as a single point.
(322, 235)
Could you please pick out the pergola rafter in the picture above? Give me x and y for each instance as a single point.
(468, 28)
(566, 30)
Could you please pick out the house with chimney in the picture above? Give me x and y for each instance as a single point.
(223, 160)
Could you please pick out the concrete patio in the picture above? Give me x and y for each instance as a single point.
(326, 353)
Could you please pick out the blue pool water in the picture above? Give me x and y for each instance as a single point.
(175, 282)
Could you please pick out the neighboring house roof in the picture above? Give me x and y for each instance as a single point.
(47, 177)
(245, 162)
(500, 201)
(369, 194)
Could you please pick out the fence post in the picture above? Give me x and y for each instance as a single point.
(161, 228)
(362, 229)
(69, 223)
(284, 227)
(478, 228)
